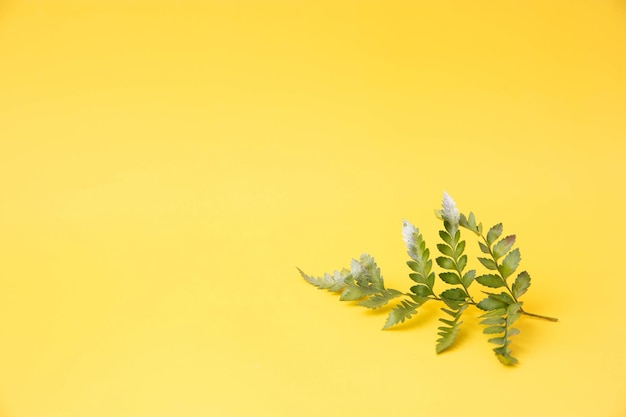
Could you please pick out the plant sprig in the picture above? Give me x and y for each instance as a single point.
(363, 283)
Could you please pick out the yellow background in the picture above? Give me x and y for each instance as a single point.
(165, 166)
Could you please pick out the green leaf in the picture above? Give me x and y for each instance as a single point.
(446, 321)
(468, 278)
(521, 284)
(445, 249)
(488, 263)
(421, 263)
(450, 227)
(454, 294)
(494, 233)
(494, 329)
(414, 266)
(403, 311)
(503, 246)
(448, 333)
(454, 297)
(513, 313)
(379, 300)
(431, 280)
(512, 332)
(490, 280)
(462, 263)
(428, 264)
(510, 263)
(471, 221)
(445, 263)
(450, 278)
(421, 290)
(491, 303)
(419, 278)
(367, 274)
(334, 282)
(503, 297)
(507, 360)
(495, 320)
(352, 293)
(460, 248)
(463, 221)
(363, 280)
(483, 248)
(502, 325)
(449, 312)
(495, 313)
(497, 340)
(457, 237)
(445, 236)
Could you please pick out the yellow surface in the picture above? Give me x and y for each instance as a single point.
(165, 166)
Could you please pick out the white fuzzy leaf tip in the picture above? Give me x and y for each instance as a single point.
(449, 212)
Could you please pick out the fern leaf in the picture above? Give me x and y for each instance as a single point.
(503, 246)
(468, 278)
(510, 263)
(494, 301)
(499, 321)
(403, 311)
(453, 297)
(521, 284)
(490, 280)
(470, 223)
(380, 299)
(353, 292)
(420, 262)
(494, 233)
(449, 332)
(366, 273)
(422, 290)
(364, 280)
(334, 283)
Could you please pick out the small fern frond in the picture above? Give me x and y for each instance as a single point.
(499, 321)
(449, 332)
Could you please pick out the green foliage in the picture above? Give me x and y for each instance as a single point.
(403, 311)
(510, 263)
(380, 299)
(521, 284)
(503, 246)
(451, 329)
(334, 282)
(420, 262)
(493, 234)
(490, 280)
(468, 278)
(469, 223)
(488, 263)
(364, 279)
(454, 261)
(364, 284)
(499, 320)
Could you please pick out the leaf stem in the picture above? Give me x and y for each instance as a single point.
(538, 316)
(472, 302)
(460, 273)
